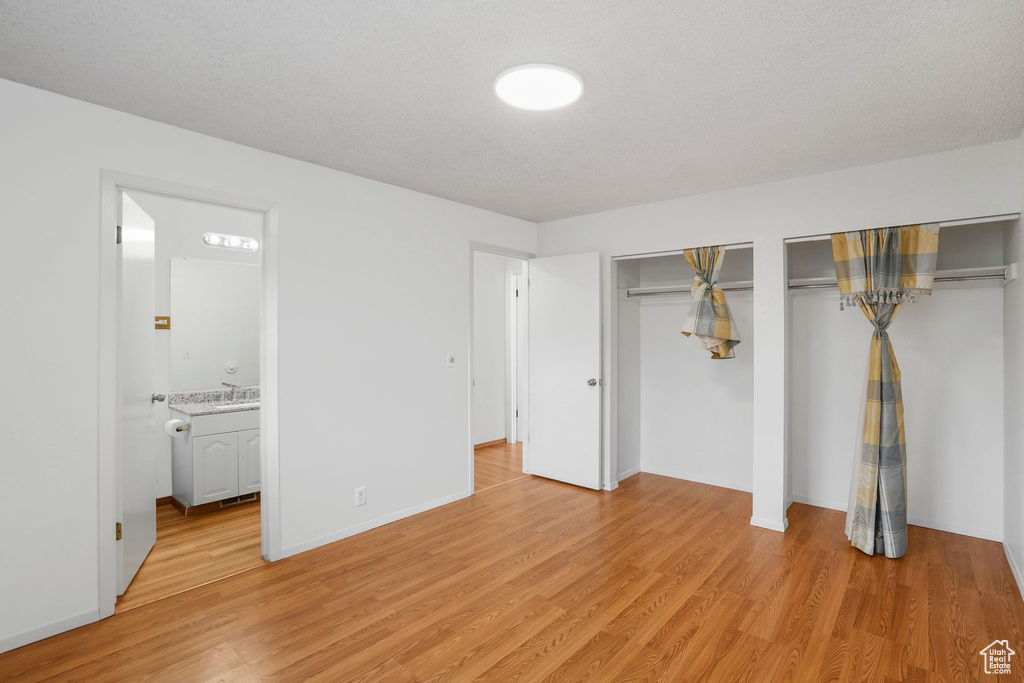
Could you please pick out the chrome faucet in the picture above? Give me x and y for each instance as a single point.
(234, 388)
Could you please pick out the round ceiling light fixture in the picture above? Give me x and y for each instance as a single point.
(538, 87)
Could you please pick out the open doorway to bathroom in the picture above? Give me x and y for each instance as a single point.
(498, 368)
(188, 418)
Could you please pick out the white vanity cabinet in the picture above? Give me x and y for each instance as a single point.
(217, 458)
(215, 468)
(248, 461)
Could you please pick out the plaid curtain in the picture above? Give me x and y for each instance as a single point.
(879, 270)
(709, 319)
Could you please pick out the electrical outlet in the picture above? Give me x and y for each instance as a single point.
(450, 358)
(360, 496)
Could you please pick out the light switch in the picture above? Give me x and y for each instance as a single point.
(188, 353)
(451, 359)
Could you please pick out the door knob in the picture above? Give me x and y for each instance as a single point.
(157, 398)
(591, 382)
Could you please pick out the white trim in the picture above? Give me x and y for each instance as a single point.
(820, 503)
(373, 523)
(685, 476)
(629, 473)
(1014, 568)
(997, 218)
(960, 529)
(47, 630)
(679, 252)
(112, 182)
(770, 524)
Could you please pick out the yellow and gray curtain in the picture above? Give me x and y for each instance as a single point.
(709, 319)
(879, 270)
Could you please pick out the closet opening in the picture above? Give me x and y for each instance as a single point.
(949, 350)
(498, 368)
(676, 411)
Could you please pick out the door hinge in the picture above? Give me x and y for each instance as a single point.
(517, 293)
(517, 413)
(119, 234)
(118, 531)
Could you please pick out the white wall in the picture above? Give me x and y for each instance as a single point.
(180, 225)
(628, 388)
(697, 412)
(964, 183)
(364, 329)
(1013, 387)
(949, 348)
(490, 329)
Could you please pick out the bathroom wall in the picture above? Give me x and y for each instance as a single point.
(363, 333)
(215, 324)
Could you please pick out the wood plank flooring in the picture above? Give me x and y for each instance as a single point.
(495, 465)
(660, 580)
(192, 551)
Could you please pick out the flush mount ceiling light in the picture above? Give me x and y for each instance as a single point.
(215, 239)
(538, 87)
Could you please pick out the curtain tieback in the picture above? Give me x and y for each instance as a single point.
(699, 286)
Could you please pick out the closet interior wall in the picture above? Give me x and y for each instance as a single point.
(949, 347)
(680, 413)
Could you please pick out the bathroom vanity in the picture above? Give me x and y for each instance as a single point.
(216, 458)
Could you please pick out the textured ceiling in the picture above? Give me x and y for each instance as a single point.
(681, 97)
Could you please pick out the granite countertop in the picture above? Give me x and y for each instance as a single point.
(216, 401)
(196, 409)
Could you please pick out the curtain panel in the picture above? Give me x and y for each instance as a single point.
(710, 319)
(878, 271)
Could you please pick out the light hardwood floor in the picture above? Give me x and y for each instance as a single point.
(193, 551)
(535, 580)
(497, 464)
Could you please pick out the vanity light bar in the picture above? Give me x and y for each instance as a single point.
(215, 239)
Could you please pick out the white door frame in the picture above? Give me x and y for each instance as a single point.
(112, 182)
(524, 391)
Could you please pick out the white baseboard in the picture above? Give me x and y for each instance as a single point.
(629, 473)
(373, 523)
(770, 523)
(710, 481)
(47, 630)
(987, 534)
(820, 502)
(1014, 568)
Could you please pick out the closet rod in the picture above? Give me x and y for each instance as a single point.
(631, 294)
(820, 285)
(950, 278)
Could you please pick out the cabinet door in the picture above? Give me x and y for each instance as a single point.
(216, 467)
(248, 461)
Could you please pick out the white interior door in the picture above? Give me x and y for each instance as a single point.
(136, 469)
(565, 368)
